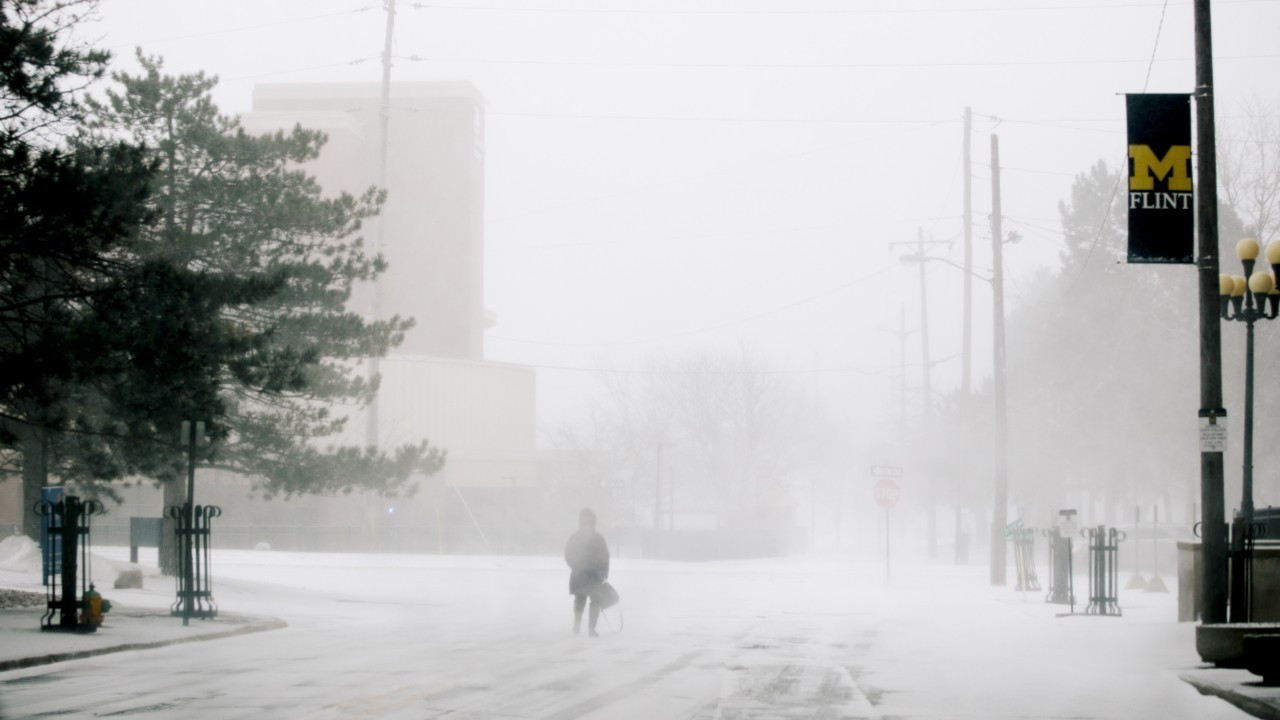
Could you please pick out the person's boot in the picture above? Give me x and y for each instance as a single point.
(577, 622)
(591, 624)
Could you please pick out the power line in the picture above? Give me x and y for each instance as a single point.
(656, 371)
(356, 61)
(242, 28)
(927, 122)
(808, 11)
(1156, 46)
(826, 149)
(1037, 172)
(842, 233)
(1115, 190)
(820, 66)
(699, 331)
(662, 371)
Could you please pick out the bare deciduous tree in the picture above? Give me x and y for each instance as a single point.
(732, 433)
(1249, 168)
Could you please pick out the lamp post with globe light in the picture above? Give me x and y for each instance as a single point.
(1248, 298)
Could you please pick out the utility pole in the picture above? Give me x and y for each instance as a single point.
(657, 489)
(919, 257)
(1213, 529)
(924, 329)
(998, 517)
(966, 348)
(902, 370)
(384, 118)
(926, 366)
(931, 528)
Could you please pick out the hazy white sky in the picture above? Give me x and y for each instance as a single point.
(668, 176)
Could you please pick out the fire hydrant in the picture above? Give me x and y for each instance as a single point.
(94, 607)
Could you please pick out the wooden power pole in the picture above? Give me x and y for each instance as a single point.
(999, 516)
(1213, 530)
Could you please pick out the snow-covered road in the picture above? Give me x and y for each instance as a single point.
(489, 637)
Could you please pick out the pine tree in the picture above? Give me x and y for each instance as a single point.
(68, 214)
(235, 206)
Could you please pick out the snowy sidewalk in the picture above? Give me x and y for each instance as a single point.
(139, 618)
(1238, 687)
(24, 644)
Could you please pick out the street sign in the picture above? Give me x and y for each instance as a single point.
(1213, 435)
(887, 492)
(886, 471)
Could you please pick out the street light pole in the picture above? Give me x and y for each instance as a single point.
(999, 517)
(1241, 299)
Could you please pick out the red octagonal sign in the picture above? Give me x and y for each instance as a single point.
(887, 492)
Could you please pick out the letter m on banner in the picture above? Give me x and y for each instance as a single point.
(1160, 199)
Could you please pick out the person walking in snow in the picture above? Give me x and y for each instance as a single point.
(588, 559)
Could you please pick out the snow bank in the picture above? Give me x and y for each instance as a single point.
(19, 553)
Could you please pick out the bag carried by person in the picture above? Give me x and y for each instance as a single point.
(604, 596)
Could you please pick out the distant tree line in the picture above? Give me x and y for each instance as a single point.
(1104, 361)
(712, 434)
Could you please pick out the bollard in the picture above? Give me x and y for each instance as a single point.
(1104, 544)
(68, 520)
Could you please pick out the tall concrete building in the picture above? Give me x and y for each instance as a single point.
(437, 385)
(432, 227)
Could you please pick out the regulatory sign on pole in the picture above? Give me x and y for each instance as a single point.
(887, 492)
(886, 471)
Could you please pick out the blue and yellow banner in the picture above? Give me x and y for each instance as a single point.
(1161, 202)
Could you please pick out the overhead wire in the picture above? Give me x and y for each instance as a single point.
(356, 61)
(661, 371)
(1020, 8)
(930, 122)
(242, 28)
(1115, 190)
(706, 329)
(673, 182)
(949, 63)
(420, 5)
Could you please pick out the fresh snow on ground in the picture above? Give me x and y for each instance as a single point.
(412, 636)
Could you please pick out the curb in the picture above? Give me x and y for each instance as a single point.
(261, 625)
(1254, 706)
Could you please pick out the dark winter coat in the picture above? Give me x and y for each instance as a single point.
(588, 558)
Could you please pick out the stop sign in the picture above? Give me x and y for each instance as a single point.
(887, 492)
